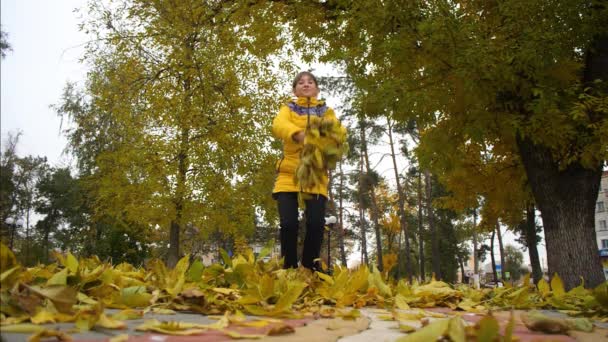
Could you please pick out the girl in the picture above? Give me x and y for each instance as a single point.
(290, 126)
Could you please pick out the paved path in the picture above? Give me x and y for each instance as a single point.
(372, 327)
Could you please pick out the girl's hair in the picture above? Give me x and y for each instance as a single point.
(302, 74)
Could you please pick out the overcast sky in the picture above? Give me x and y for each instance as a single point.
(46, 46)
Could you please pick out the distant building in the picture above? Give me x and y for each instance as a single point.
(601, 221)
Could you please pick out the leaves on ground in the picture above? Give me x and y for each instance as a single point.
(78, 291)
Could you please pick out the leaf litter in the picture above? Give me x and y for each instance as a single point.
(79, 290)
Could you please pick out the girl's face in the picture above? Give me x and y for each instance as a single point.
(306, 87)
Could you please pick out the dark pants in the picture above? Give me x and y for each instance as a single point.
(315, 220)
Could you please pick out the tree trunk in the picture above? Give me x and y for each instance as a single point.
(401, 193)
(492, 257)
(462, 274)
(501, 250)
(364, 256)
(420, 228)
(374, 203)
(475, 256)
(27, 238)
(531, 242)
(341, 217)
(566, 198)
(432, 230)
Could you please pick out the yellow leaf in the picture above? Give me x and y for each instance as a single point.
(63, 297)
(71, 263)
(110, 323)
(83, 298)
(350, 315)
(162, 311)
(7, 258)
(431, 332)
(406, 328)
(255, 324)
(135, 296)
(456, 330)
(557, 286)
(45, 334)
(44, 316)
(59, 278)
(487, 329)
(290, 296)
(326, 278)
(22, 328)
(543, 287)
(401, 303)
(128, 314)
(120, 338)
(8, 277)
(225, 291)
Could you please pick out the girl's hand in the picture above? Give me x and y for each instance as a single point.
(298, 137)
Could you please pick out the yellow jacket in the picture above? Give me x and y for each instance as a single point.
(292, 118)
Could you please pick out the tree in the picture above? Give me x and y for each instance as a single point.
(7, 184)
(529, 238)
(29, 171)
(178, 89)
(514, 262)
(545, 105)
(59, 199)
(4, 44)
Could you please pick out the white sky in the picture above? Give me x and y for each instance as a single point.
(46, 47)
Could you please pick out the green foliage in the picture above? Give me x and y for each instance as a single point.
(514, 260)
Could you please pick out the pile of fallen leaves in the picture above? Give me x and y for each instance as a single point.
(324, 145)
(79, 290)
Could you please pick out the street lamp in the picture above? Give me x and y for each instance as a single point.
(329, 221)
(13, 224)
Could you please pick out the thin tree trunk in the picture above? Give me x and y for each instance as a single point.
(420, 228)
(462, 274)
(374, 203)
(531, 242)
(27, 238)
(492, 257)
(341, 217)
(183, 162)
(475, 256)
(362, 222)
(502, 251)
(434, 237)
(401, 194)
